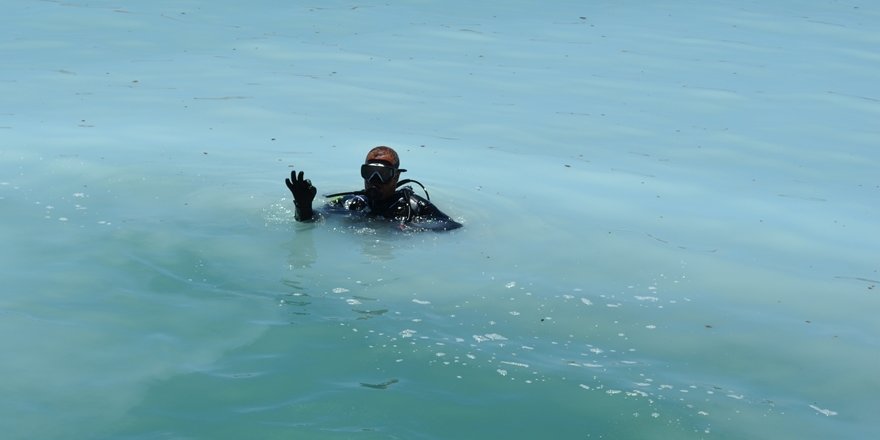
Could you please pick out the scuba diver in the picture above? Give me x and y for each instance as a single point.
(383, 196)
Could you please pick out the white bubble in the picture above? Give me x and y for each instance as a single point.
(515, 364)
(636, 393)
(826, 412)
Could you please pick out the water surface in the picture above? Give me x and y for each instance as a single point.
(670, 220)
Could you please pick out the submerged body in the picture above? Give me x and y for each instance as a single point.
(406, 208)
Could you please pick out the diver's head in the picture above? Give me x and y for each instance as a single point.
(383, 153)
(381, 171)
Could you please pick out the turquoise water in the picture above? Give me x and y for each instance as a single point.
(670, 216)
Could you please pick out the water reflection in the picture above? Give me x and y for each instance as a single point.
(302, 252)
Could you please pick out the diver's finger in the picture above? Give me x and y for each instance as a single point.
(299, 179)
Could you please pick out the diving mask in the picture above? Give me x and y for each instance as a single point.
(384, 172)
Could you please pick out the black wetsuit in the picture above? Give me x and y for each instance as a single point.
(406, 208)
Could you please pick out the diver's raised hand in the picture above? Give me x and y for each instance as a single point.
(303, 193)
(302, 189)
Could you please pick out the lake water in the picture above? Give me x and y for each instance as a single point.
(670, 216)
